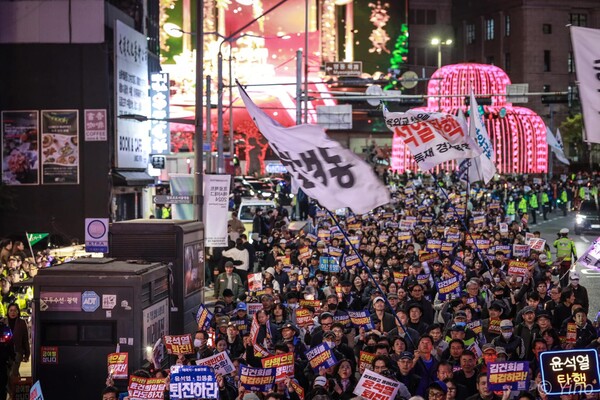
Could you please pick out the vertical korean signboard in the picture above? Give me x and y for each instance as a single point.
(131, 97)
(216, 203)
(160, 134)
(20, 146)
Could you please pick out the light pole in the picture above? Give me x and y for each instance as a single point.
(439, 43)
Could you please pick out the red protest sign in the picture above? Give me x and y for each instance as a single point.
(118, 365)
(283, 364)
(146, 388)
(179, 344)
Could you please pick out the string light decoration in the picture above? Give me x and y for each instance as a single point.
(328, 25)
(518, 138)
(379, 18)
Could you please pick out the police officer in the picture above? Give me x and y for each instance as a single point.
(545, 204)
(565, 251)
(510, 209)
(533, 206)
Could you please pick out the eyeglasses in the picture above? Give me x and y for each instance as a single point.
(436, 395)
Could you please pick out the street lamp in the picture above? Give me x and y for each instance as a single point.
(439, 43)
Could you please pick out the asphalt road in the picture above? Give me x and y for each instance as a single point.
(590, 277)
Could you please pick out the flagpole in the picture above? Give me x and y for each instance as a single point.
(466, 220)
(384, 295)
(30, 247)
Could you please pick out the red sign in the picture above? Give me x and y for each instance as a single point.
(283, 364)
(179, 344)
(118, 365)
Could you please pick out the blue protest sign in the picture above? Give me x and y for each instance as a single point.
(511, 373)
(448, 287)
(193, 382)
(361, 318)
(257, 379)
(321, 356)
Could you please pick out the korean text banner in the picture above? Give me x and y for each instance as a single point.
(375, 386)
(432, 138)
(570, 371)
(179, 344)
(513, 374)
(216, 202)
(257, 379)
(220, 363)
(192, 382)
(118, 365)
(321, 356)
(325, 170)
(361, 318)
(203, 317)
(587, 53)
(146, 388)
(448, 287)
(283, 363)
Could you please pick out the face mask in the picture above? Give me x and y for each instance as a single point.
(320, 278)
(506, 335)
(461, 324)
(496, 279)
(197, 343)
(332, 307)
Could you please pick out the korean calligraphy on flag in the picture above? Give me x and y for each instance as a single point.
(325, 170)
(432, 138)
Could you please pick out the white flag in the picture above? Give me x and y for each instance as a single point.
(559, 140)
(556, 146)
(586, 48)
(482, 167)
(325, 170)
(432, 138)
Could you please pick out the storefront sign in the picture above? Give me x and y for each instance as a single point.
(20, 146)
(160, 134)
(49, 354)
(95, 125)
(60, 301)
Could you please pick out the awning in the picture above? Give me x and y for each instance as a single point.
(132, 178)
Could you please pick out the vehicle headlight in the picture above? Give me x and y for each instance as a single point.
(579, 219)
(252, 193)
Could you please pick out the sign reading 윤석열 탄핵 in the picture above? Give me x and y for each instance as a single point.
(570, 371)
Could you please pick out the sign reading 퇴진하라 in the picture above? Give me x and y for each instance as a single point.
(192, 382)
(570, 371)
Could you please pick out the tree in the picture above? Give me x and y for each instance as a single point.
(571, 131)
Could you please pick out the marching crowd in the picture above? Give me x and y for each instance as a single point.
(450, 280)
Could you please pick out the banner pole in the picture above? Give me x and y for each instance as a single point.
(383, 294)
(30, 247)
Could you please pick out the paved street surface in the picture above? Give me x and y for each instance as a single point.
(590, 278)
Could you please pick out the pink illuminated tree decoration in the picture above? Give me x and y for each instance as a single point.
(519, 138)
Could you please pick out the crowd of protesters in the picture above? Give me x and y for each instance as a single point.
(437, 348)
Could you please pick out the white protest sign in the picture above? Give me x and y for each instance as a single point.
(221, 363)
(372, 385)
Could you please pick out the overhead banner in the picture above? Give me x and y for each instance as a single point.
(216, 206)
(192, 382)
(20, 147)
(587, 65)
(132, 144)
(570, 371)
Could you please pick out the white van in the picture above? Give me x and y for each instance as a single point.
(247, 210)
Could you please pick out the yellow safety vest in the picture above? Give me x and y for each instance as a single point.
(533, 201)
(510, 208)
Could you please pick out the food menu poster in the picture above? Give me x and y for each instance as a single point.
(20, 147)
(60, 147)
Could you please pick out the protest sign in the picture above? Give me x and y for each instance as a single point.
(192, 382)
(494, 326)
(447, 247)
(536, 244)
(475, 326)
(428, 257)
(453, 237)
(448, 287)
(304, 317)
(375, 386)
(518, 268)
(283, 364)
(503, 227)
(423, 279)
(521, 250)
(365, 360)
(257, 379)
(35, 393)
(323, 234)
(316, 304)
(567, 372)
(321, 356)
(479, 220)
(399, 277)
(297, 388)
(361, 318)
(433, 244)
(146, 388)
(304, 253)
(203, 318)
(259, 349)
(513, 374)
(179, 344)
(220, 363)
(351, 260)
(118, 365)
(255, 282)
(404, 237)
(571, 333)
(335, 251)
(458, 267)
(329, 264)
(342, 318)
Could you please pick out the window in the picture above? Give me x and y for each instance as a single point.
(470, 33)
(420, 17)
(547, 29)
(431, 17)
(547, 60)
(570, 63)
(489, 29)
(490, 60)
(420, 55)
(507, 25)
(578, 19)
(507, 62)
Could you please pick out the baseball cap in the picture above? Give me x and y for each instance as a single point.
(543, 258)
(223, 321)
(501, 350)
(289, 326)
(283, 241)
(438, 385)
(251, 396)
(543, 314)
(378, 298)
(270, 270)
(457, 328)
(346, 283)
(574, 276)
(528, 309)
(407, 355)
(392, 296)
(320, 381)
(488, 346)
(495, 306)
(564, 231)
(460, 313)
(506, 324)
(241, 307)
(227, 293)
